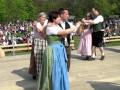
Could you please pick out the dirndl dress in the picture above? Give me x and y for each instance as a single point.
(54, 75)
(39, 47)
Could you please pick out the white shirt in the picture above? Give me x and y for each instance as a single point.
(53, 30)
(71, 26)
(98, 19)
(39, 26)
(63, 24)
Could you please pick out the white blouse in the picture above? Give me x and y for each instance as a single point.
(53, 30)
(39, 26)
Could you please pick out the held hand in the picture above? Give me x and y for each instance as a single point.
(88, 21)
(78, 24)
(83, 19)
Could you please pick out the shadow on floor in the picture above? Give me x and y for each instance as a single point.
(78, 57)
(27, 83)
(113, 50)
(104, 85)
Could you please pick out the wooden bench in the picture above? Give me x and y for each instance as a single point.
(112, 38)
(17, 47)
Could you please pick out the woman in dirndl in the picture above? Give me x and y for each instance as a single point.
(54, 75)
(38, 45)
(85, 46)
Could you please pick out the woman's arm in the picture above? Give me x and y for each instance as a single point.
(40, 27)
(70, 30)
(87, 22)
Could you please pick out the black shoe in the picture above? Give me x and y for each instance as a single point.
(34, 77)
(87, 58)
(102, 58)
(92, 58)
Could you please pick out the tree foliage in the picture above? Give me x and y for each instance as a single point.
(12, 10)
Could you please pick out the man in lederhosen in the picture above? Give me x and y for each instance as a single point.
(65, 24)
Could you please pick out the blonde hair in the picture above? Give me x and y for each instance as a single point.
(42, 14)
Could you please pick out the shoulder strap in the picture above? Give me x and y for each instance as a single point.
(60, 26)
(67, 25)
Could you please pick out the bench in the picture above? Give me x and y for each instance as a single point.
(17, 47)
(112, 38)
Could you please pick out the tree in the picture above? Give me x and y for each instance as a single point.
(3, 11)
(12, 10)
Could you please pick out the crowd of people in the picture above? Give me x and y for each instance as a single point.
(112, 26)
(16, 33)
(22, 32)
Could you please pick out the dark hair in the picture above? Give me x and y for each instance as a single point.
(61, 10)
(52, 15)
(89, 15)
(97, 9)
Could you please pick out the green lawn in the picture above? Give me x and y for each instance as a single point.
(17, 53)
(76, 41)
(114, 43)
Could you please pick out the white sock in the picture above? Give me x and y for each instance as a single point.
(103, 54)
(93, 56)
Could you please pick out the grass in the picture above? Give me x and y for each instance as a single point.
(114, 43)
(76, 41)
(18, 53)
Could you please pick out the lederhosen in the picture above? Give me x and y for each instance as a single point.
(97, 35)
(68, 47)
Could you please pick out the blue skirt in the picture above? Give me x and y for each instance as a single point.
(59, 68)
(54, 75)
